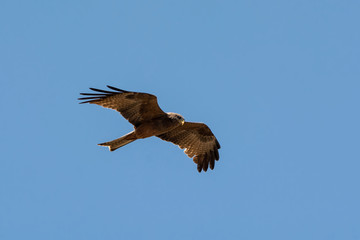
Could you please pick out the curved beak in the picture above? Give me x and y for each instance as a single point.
(182, 122)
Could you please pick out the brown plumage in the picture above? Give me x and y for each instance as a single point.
(143, 111)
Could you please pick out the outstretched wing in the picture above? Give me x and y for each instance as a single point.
(136, 107)
(198, 141)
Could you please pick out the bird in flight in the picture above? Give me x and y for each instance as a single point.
(143, 111)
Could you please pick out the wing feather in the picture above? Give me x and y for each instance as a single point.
(136, 107)
(198, 141)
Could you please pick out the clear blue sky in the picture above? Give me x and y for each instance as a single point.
(277, 81)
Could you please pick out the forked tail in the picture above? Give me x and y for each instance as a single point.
(117, 143)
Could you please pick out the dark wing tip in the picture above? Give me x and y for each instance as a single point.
(100, 95)
(102, 91)
(204, 162)
(217, 144)
(216, 152)
(212, 159)
(206, 159)
(92, 94)
(84, 98)
(89, 99)
(205, 166)
(212, 164)
(117, 89)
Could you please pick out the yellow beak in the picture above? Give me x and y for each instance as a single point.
(182, 122)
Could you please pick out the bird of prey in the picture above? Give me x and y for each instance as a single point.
(143, 111)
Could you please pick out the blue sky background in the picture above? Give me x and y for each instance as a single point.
(277, 82)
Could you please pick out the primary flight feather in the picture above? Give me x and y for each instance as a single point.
(143, 111)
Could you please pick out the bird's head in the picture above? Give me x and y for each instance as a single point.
(177, 117)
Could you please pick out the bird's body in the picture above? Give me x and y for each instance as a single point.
(142, 110)
(158, 125)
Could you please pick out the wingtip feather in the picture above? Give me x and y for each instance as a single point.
(116, 89)
(103, 91)
(217, 144)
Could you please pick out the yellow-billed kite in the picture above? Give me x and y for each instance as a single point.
(143, 111)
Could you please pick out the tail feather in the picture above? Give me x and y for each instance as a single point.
(117, 143)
